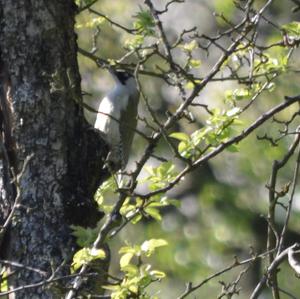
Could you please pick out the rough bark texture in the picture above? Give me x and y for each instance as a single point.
(40, 115)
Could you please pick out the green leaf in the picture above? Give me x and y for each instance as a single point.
(125, 259)
(225, 7)
(85, 256)
(189, 85)
(154, 213)
(136, 219)
(145, 23)
(167, 201)
(130, 249)
(4, 281)
(233, 148)
(292, 29)
(194, 63)
(135, 42)
(150, 170)
(84, 236)
(183, 148)
(268, 63)
(158, 274)
(160, 176)
(237, 94)
(133, 288)
(180, 136)
(189, 47)
(111, 287)
(106, 187)
(92, 23)
(131, 270)
(150, 245)
(127, 208)
(165, 168)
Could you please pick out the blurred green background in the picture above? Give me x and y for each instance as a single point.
(224, 203)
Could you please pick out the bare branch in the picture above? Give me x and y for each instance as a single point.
(21, 266)
(130, 31)
(274, 265)
(290, 202)
(190, 288)
(16, 180)
(262, 119)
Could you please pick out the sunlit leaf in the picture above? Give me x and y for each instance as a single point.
(189, 47)
(293, 29)
(180, 136)
(125, 259)
(158, 274)
(154, 213)
(194, 63)
(92, 23)
(134, 42)
(150, 245)
(86, 255)
(4, 281)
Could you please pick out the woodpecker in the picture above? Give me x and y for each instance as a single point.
(117, 118)
(294, 257)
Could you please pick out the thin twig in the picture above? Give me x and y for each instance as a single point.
(130, 31)
(290, 202)
(22, 266)
(273, 266)
(190, 288)
(234, 140)
(16, 180)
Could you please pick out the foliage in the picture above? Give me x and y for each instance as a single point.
(86, 256)
(220, 127)
(144, 23)
(4, 282)
(202, 95)
(292, 29)
(137, 276)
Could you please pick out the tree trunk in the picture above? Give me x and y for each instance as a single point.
(41, 116)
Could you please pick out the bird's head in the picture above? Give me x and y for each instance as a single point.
(124, 78)
(121, 76)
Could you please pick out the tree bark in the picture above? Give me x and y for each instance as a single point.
(41, 116)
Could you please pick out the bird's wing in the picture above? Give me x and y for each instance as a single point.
(128, 121)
